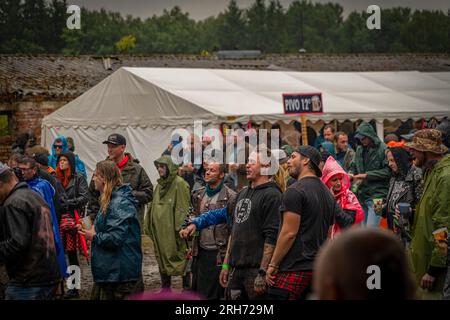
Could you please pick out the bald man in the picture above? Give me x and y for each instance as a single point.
(344, 268)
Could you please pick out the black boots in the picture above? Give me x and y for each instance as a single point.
(166, 281)
(187, 282)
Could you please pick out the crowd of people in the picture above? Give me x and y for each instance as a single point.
(233, 229)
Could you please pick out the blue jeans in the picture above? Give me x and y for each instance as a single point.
(29, 293)
(371, 219)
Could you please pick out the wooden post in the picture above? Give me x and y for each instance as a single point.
(304, 130)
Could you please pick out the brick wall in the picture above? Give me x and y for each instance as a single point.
(26, 116)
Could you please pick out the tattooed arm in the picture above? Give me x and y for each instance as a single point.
(260, 285)
(267, 256)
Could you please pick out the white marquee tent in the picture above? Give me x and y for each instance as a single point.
(147, 104)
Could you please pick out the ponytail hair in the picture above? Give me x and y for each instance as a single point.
(108, 171)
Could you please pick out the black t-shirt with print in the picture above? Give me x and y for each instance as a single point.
(255, 221)
(311, 199)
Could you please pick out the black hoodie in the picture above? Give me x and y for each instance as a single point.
(256, 220)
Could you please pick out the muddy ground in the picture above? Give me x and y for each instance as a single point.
(152, 280)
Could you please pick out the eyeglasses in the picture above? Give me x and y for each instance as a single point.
(57, 147)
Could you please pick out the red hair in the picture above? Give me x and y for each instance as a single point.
(64, 176)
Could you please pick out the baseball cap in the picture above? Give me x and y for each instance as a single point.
(313, 155)
(3, 168)
(280, 155)
(41, 158)
(116, 139)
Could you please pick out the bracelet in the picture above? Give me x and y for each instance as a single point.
(225, 266)
(273, 266)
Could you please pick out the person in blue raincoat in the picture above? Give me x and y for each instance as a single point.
(115, 236)
(61, 146)
(29, 168)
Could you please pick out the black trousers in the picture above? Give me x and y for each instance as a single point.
(241, 283)
(3, 281)
(205, 275)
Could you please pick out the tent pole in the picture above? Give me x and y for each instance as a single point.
(304, 130)
(380, 129)
(42, 136)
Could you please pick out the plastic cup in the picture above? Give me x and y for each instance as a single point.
(378, 205)
(404, 208)
(86, 222)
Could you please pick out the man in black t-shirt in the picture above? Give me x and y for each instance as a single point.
(308, 211)
(253, 234)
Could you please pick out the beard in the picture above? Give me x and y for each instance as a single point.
(419, 162)
(341, 149)
(212, 181)
(294, 172)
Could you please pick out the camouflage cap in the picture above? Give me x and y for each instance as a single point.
(428, 140)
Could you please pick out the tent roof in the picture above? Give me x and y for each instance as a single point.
(176, 97)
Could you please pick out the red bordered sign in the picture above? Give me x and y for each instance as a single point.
(302, 103)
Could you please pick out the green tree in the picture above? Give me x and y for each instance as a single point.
(277, 35)
(36, 25)
(427, 32)
(355, 35)
(11, 25)
(100, 30)
(232, 31)
(176, 32)
(257, 25)
(57, 17)
(146, 35)
(391, 36)
(207, 33)
(322, 27)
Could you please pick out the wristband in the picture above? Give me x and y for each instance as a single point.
(225, 266)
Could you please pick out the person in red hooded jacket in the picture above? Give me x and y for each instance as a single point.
(338, 181)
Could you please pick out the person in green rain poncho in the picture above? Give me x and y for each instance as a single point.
(429, 245)
(167, 212)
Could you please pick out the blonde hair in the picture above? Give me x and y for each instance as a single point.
(109, 171)
(280, 178)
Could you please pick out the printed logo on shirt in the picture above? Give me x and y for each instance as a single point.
(243, 209)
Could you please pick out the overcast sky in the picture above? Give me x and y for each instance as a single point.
(200, 9)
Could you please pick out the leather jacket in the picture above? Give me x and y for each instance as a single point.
(27, 246)
(217, 234)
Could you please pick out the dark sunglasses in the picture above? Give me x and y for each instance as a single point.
(58, 147)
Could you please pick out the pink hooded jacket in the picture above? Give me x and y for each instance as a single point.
(346, 199)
